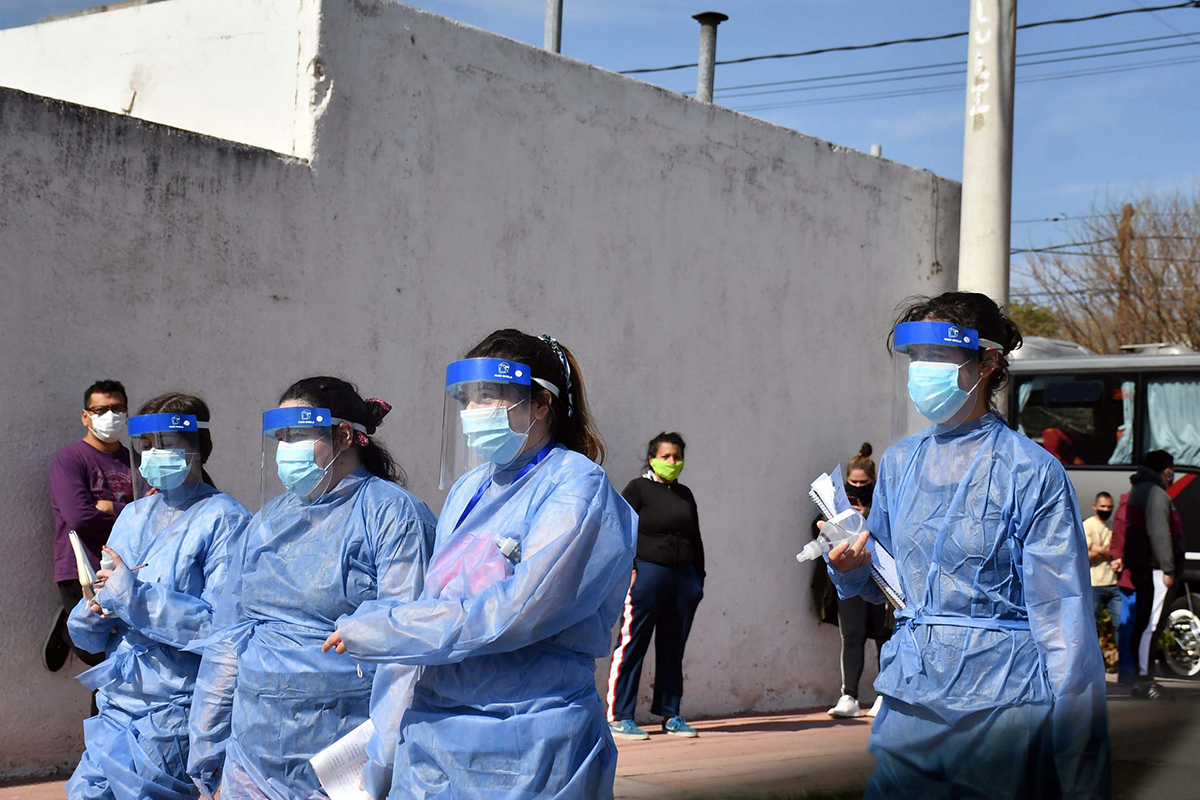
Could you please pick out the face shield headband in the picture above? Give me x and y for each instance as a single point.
(945, 334)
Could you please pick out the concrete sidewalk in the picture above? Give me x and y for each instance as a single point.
(1155, 746)
(779, 755)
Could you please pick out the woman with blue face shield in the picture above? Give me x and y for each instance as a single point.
(335, 530)
(533, 559)
(993, 682)
(171, 551)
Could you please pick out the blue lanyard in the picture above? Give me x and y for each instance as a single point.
(545, 451)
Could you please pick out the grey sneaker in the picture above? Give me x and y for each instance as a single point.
(626, 729)
(677, 727)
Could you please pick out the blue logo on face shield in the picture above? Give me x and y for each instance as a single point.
(306, 416)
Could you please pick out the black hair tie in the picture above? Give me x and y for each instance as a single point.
(562, 357)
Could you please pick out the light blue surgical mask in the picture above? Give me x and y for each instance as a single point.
(164, 469)
(490, 436)
(296, 464)
(933, 387)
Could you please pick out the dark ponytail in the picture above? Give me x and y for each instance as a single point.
(344, 402)
(570, 419)
(180, 403)
(863, 461)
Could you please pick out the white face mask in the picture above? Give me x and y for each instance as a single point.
(109, 426)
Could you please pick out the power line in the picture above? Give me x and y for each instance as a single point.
(960, 71)
(960, 87)
(1051, 248)
(1157, 17)
(960, 63)
(1066, 218)
(1056, 250)
(917, 39)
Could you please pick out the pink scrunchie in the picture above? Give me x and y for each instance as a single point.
(381, 409)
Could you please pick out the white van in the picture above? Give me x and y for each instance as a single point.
(1099, 415)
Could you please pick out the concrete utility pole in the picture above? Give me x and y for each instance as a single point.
(984, 234)
(709, 20)
(553, 36)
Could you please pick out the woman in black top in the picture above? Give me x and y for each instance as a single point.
(857, 619)
(668, 583)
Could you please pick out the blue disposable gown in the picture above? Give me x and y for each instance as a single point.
(506, 705)
(267, 699)
(993, 682)
(138, 742)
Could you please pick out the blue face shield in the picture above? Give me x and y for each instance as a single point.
(165, 447)
(938, 352)
(290, 437)
(488, 414)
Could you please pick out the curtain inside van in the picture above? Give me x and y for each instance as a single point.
(1174, 415)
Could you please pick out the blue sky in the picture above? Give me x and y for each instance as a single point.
(1077, 140)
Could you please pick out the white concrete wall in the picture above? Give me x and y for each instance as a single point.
(716, 275)
(237, 69)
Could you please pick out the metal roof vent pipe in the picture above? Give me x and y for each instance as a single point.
(709, 20)
(552, 39)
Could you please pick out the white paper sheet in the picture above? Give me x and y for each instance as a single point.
(87, 577)
(339, 766)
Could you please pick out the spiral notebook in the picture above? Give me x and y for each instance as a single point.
(887, 577)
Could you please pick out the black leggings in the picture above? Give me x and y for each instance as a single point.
(859, 620)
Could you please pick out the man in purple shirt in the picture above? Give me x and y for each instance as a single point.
(89, 485)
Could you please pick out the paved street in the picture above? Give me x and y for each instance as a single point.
(1156, 750)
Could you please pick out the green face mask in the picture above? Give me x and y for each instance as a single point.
(668, 472)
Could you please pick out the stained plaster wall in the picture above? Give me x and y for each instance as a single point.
(715, 275)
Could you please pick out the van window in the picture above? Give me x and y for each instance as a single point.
(1173, 418)
(1081, 419)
